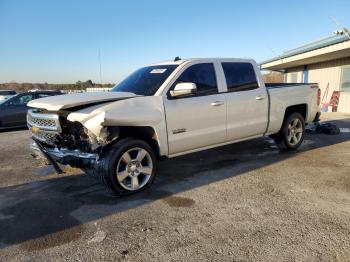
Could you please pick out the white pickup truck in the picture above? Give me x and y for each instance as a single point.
(166, 110)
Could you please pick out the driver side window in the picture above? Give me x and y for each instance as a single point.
(203, 75)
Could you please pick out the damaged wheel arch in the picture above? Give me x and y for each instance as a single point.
(145, 133)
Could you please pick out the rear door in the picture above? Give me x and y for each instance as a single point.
(247, 101)
(199, 120)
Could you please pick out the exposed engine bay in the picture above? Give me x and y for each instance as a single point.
(54, 130)
(75, 136)
(65, 141)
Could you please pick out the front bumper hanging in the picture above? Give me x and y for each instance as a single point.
(43, 153)
(63, 156)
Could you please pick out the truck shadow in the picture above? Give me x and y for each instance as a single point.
(54, 212)
(12, 129)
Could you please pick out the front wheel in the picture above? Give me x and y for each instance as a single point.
(292, 133)
(129, 167)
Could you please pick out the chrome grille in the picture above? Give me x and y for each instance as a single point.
(44, 127)
(41, 122)
(47, 122)
(48, 138)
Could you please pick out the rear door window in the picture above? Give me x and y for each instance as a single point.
(239, 76)
(203, 75)
(42, 95)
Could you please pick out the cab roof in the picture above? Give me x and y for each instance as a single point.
(181, 61)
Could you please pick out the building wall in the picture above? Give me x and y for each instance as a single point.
(298, 71)
(326, 74)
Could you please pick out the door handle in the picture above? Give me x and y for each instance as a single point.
(217, 103)
(259, 97)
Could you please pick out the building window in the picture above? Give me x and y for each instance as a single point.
(345, 79)
(293, 77)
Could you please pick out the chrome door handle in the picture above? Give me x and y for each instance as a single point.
(259, 97)
(217, 103)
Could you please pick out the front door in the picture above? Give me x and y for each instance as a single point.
(199, 120)
(15, 110)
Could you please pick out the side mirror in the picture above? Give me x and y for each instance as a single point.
(184, 89)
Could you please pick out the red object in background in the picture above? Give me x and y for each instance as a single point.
(334, 101)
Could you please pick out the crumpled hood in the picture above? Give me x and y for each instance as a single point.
(138, 111)
(55, 103)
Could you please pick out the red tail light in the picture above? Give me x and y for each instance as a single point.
(318, 93)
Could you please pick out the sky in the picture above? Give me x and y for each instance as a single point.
(59, 41)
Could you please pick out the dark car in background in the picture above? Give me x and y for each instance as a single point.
(13, 111)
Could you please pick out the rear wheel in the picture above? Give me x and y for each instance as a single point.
(292, 133)
(129, 167)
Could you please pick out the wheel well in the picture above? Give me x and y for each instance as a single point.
(144, 133)
(302, 109)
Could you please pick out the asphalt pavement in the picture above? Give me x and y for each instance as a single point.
(242, 202)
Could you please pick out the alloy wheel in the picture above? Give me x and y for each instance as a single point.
(134, 169)
(295, 131)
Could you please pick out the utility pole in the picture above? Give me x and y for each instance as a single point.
(99, 60)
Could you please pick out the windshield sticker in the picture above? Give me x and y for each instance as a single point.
(158, 71)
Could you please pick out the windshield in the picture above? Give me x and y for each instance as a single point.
(3, 99)
(146, 80)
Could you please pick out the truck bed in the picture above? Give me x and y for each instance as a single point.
(297, 94)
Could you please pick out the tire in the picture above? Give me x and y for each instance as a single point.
(127, 167)
(292, 133)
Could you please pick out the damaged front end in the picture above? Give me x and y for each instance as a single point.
(56, 139)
